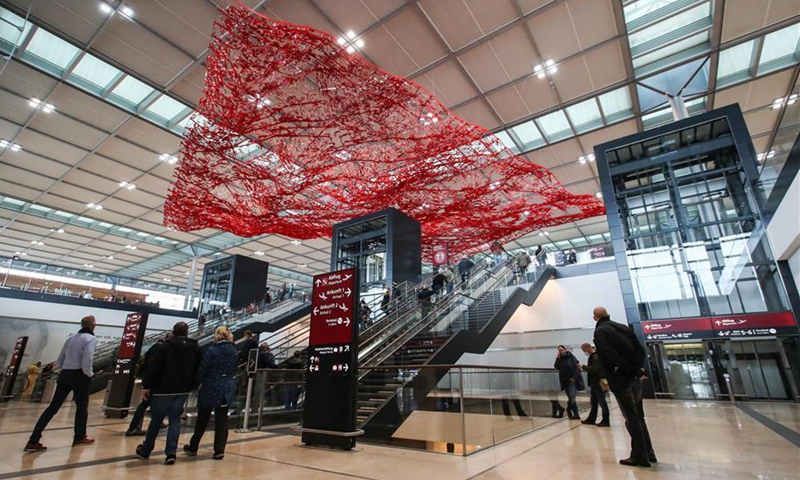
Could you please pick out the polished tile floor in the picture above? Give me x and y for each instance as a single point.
(693, 440)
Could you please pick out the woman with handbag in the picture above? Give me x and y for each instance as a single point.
(599, 386)
(217, 384)
(569, 375)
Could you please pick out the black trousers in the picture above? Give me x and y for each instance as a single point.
(629, 399)
(68, 381)
(138, 415)
(598, 397)
(220, 428)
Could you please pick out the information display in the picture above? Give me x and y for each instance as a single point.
(13, 368)
(130, 347)
(740, 325)
(330, 401)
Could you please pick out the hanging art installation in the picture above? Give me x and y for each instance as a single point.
(295, 133)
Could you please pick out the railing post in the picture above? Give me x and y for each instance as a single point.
(246, 422)
(463, 414)
(727, 378)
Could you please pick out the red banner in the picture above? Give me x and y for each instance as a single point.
(740, 325)
(440, 253)
(130, 335)
(333, 302)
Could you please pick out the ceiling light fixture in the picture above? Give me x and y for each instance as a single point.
(296, 242)
(171, 159)
(94, 206)
(548, 67)
(127, 12)
(106, 8)
(127, 185)
(167, 279)
(36, 242)
(130, 247)
(21, 253)
(762, 156)
(259, 253)
(60, 230)
(88, 265)
(779, 102)
(586, 158)
(349, 42)
(110, 257)
(599, 194)
(46, 107)
(12, 146)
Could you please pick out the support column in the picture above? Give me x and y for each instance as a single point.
(190, 284)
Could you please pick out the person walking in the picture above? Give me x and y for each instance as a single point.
(293, 379)
(622, 357)
(387, 297)
(540, 256)
(523, 260)
(75, 362)
(135, 427)
(216, 376)
(570, 379)
(170, 376)
(598, 385)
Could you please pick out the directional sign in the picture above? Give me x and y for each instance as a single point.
(336, 359)
(332, 305)
(130, 346)
(741, 325)
(13, 368)
(252, 362)
(440, 254)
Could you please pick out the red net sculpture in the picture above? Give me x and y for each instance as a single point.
(294, 134)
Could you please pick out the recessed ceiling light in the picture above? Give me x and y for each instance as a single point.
(296, 242)
(127, 11)
(259, 253)
(599, 194)
(350, 49)
(360, 43)
(302, 265)
(130, 247)
(167, 279)
(351, 34)
(110, 257)
(341, 40)
(88, 265)
(590, 157)
(106, 8)
(127, 185)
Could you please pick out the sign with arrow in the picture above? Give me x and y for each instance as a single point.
(332, 300)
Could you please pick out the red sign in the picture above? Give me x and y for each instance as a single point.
(742, 325)
(130, 336)
(440, 255)
(19, 347)
(333, 315)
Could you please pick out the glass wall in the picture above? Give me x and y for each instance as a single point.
(693, 237)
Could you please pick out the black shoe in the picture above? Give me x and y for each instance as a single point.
(587, 422)
(134, 432)
(652, 458)
(218, 456)
(187, 449)
(170, 460)
(140, 452)
(630, 462)
(603, 424)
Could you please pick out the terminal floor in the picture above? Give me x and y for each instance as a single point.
(693, 440)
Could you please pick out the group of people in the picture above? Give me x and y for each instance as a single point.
(616, 365)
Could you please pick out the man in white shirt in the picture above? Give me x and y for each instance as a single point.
(75, 363)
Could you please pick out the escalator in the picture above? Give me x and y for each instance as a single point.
(463, 323)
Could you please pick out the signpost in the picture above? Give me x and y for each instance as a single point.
(7, 392)
(329, 413)
(250, 368)
(130, 347)
(440, 253)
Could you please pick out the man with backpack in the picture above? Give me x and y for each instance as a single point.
(135, 427)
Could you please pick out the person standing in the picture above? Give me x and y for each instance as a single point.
(622, 357)
(540, 256)
(464, 268)
(570, 378)
(293, 380)
(523, 260)
(75, 362)
(387, 297)
(250, 343)
(597, 378)
(170, 376)
(216, 376)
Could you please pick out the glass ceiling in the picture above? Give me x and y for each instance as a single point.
(742, 62)
(94, 74)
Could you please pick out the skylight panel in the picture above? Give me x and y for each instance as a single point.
(528, 135)
(57, 54)
(734, 61)
(617, 104)
(167, 108)
(131, 91)
(780, 49)
(585, 115)
(643, 7)
(94, 71)
(670, 25)
(506, 139)
(8, 32)
(555, 126)
(671, 49)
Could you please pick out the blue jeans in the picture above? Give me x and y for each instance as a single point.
(572, 406)
(598, 398)
(171, 407)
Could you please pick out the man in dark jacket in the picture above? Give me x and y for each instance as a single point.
(135, 427)
(250, 343)
(464, 267)
(294, 381)
(170, 376)
(622, 357)
(598, 395)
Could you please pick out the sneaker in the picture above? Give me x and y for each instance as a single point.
(218, 456)
(134, 432)
(170, 460)
(83, 441)
(32, 447)
(187, 449)
(140, 452)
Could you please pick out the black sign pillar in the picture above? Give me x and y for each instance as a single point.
(329, 412)
(130, 347)
(7, 392)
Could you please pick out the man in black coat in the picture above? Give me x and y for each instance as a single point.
(622, 357)
(250, 343)
(170, 376)
(598, 396)
(464, 268)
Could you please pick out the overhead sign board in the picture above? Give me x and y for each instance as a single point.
(333, 318)
(740, 325)
(440, 253)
